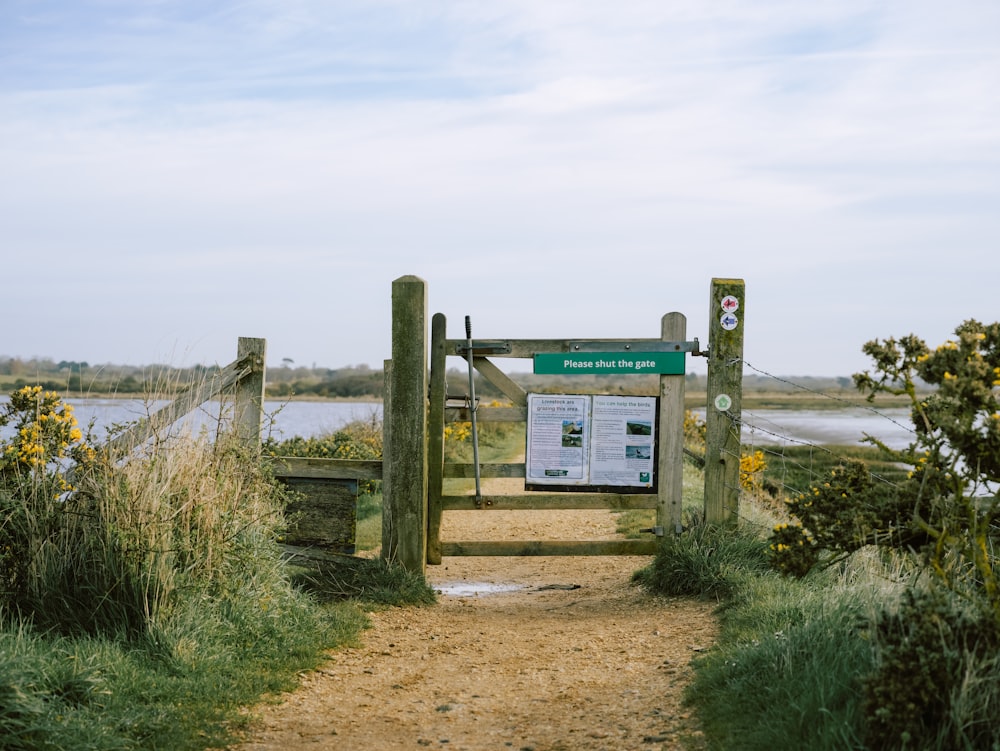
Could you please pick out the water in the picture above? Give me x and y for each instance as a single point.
(281, 419)
(847, 426)
(313, 418)
(841, 426)
(475, 589)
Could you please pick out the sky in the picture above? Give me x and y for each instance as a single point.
(177, 174)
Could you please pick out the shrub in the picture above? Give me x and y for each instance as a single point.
(752, 466)
(360, 439)
(851, 509)
(956, 454)
(937, 681)
(36, 507)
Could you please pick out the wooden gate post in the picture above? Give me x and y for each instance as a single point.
(405, 456)
(723, 414)
(248, 401)
(673, 328)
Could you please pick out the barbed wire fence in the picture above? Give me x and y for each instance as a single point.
(796, 463)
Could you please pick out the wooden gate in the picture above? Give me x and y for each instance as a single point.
(442, 410)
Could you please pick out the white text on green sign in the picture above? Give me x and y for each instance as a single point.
(604, 363)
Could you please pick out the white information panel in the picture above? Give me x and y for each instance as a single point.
(584, 442)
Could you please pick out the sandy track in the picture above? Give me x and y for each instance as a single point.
(538, 653)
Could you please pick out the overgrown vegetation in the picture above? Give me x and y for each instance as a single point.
(143, 600)
(886, 634)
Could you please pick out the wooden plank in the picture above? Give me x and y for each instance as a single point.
(248, 399)
(670, 431)
(435, 436)
(550, 547)
(322, 514)
(526, 348)
(468, 471)
(501, 380)
(310, 556)
(334, 469)
(550, 501)
(406, 450)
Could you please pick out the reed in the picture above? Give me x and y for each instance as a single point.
(145, 600)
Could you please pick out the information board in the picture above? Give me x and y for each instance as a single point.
(591, 443)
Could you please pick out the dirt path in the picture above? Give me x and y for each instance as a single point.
(540, 653)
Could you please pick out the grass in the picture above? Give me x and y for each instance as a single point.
(150, 607)
(787, 669)
(797, 660)
(630, 523)
(368, 533)
(369, 580)
(185, 690)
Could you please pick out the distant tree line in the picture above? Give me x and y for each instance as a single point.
(72, 378)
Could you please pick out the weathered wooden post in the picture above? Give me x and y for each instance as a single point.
(723, 418)
(388, 523)
(404, 532)
(673, 328)
(248, 399)
(435, 437)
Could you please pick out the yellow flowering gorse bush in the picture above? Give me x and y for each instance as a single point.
(43, 441)
(45, 435)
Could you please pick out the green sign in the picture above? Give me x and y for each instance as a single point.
(605, 363)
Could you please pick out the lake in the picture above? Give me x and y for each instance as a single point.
(312, 418)
(819, 426)
(281, 419)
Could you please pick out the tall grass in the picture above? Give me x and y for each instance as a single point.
(147, 607)
(114, 556)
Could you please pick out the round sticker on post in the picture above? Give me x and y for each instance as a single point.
(729, 321)
(730, 304)
(723, 402)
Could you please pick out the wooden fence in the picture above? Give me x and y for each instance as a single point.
(415, 407)
(414, 411)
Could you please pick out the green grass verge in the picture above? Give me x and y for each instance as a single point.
(187, 686)
(184, 690)
(788, 668)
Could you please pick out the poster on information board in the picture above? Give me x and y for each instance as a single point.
(593, 443)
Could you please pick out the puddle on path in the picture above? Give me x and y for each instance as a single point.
(474, 589)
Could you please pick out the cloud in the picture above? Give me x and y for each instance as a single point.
(182, 153)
